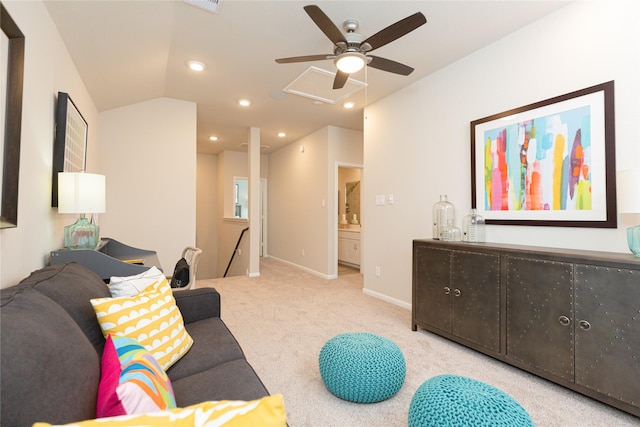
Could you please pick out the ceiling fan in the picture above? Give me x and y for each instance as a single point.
(351, 49)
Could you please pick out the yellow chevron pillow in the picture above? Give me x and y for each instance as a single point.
(151, 317)
(266, 412)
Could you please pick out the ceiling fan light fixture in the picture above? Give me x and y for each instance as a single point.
(350, 62)
(196, 65)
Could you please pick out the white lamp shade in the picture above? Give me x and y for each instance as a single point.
(350, 62)
(628, 183)
(80, 192)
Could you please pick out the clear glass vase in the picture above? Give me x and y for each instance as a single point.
(473, 227)
(443, 214)
(450, 233)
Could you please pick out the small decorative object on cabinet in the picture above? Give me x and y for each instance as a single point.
(473, 227)
(568, 316)
(443, 214)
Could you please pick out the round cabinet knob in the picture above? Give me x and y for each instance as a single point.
(564, 320)
(447, 290)
(584, 325)
(456, 292)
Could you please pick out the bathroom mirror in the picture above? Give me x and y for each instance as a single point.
(352, 202)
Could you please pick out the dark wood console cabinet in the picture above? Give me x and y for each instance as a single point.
(572, 317)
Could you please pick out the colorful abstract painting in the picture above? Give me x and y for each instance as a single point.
(539, 164)
(551, 162)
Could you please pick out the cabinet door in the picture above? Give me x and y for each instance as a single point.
(431, 299)
(608, 331)
(540, 314)
(343, 249)
(475, 294)
(355, 252)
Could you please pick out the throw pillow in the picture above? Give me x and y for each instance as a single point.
(132, 285)
(266, 412)
(180, 277)
(152, 318)
(131, 380)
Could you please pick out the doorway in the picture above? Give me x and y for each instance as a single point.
(350, 220)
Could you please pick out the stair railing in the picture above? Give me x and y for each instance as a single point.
(235, 251)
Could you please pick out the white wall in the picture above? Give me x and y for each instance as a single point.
(207, 215)
(303, 198)
(48, 69)
(148, 154)
(232, 164)
(582, 44)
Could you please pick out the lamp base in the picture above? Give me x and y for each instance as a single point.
(81, 235)
(633, 238)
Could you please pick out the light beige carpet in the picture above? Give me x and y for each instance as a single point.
(284, 317)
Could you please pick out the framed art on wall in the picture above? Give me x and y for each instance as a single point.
(70, 145)
(551, 163)
(12, 72)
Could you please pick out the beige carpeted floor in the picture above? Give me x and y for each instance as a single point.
(284, 317)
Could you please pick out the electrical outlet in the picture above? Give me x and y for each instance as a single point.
(303, 252)
(239, 252)
(377, 271)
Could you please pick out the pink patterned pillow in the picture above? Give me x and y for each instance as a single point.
(132, 381)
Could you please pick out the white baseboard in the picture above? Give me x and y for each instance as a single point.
(308, 270)
(386, 298)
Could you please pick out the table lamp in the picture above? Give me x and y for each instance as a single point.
(81, 193)
(629, 202)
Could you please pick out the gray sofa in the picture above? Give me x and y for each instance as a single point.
(51, 345)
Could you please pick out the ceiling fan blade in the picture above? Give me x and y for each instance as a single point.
(325, 24)
(340, 80)
(389, 65)
(395, 31)
(303, 58)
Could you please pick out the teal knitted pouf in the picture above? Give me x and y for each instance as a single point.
(450, 400)
(362, 367)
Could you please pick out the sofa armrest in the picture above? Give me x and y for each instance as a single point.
(198, 304)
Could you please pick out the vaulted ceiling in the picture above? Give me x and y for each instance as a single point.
(131, 51)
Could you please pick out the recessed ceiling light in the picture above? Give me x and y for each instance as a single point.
(213, 138)
(349, 104)
(244, 102)
(282, 134)
(196, 65)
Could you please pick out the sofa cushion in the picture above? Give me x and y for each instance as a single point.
(132, 381)
(235, 380)
(50, 371)
(266, 412)
(72, 286)
(151, 318)
(132, 285)
(213, 344)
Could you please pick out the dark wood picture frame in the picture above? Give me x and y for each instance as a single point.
(70, 145)
(12, 120)
(561, 150)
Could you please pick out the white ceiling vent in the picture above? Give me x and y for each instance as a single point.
(317, 83)
(246, 145)
(212, 6)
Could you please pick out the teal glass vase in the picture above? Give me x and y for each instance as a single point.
(81, 235)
